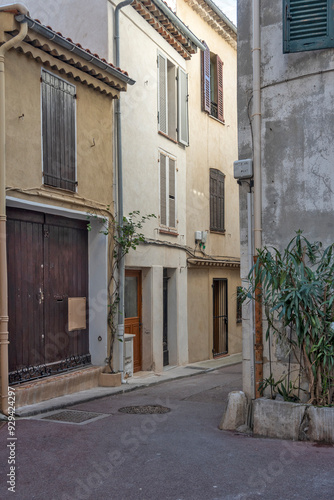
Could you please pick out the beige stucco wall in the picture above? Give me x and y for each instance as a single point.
(212, 145)
(200, 312)
(23, 135)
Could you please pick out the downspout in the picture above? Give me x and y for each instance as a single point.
(121, 269)
(4, 319)
(257, 186)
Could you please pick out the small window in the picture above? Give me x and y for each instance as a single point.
(58, 132)
(217, 195)
(212, 84)
(172, 101)
(167, 191)
(308, 25)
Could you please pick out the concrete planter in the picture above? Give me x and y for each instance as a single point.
(299, 422)
(108, 379)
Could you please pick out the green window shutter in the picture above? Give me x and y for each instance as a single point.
(162, 94)
(217, 194)
(308, 25)
(206, 96)
(183, 124)
(58, 132)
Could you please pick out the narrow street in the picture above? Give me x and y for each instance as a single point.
(178, 455)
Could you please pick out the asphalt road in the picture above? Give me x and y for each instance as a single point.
(179, 455)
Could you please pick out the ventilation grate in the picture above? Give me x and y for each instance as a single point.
(74, 416)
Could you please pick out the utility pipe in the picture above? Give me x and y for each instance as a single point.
(251, 304)
(4, 319)
(257, 185)
(121, 268)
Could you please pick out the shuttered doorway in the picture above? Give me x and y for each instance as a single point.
(47, 264)
(220, 320)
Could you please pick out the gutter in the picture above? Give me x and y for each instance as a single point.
(120, 213)
(256, 116)
(4, 319)
(72, 47)
(179, 24)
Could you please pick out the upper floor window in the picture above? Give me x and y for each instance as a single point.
(172, 101)
(58, 132)
(212, 84)
(217, 195)
(167, 190)
(308, 25)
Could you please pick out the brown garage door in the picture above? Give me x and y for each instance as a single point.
(47, 264)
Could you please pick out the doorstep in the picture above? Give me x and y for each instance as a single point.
(56, 386)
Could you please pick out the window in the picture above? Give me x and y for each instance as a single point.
(58, 132)
(212, 84)
(167, 190)
(217, 211)
(172, 101)
(308, 25)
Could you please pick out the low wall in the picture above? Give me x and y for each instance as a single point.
(299, 422)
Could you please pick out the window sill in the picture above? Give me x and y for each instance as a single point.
(170, 232)
(167, 137)
(216, 119)
(215, 231)
(59, 189)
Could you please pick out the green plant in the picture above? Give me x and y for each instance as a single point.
(297, 292)
(286, 390)
(122, 239)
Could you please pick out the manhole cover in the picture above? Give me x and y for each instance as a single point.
(74, 416)
(144, 410)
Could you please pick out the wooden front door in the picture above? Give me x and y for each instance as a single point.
(132, 313)
(47, 263)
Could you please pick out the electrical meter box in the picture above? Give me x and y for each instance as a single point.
(243, 169)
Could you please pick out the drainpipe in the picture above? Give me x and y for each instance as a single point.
(4, 319)
(257, 186)
(121, 270)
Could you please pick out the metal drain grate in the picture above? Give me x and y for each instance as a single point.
(144, 410)
(74, 416)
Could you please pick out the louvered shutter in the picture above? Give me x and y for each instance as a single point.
(58, 132)
(220, 93)
(217, 194)
(183, 125)
(162, 94)
(308, 25)
(171, 194)
(163, 190)
(206, 97)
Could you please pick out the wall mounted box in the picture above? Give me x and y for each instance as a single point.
(243, 169)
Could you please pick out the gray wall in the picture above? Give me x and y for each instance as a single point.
(297, 137)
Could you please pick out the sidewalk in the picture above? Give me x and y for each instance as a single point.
(140, 379)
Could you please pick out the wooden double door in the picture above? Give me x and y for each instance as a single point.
(47, 264)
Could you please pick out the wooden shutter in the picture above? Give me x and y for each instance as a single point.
(220, 93)
(58, 132)
(163, 190)
(308, 25)
(183, 125)
(206, 97)
(162, 94)
(217, 209)
(171, 194)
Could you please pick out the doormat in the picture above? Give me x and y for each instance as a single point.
(74, 416)
(144, 410)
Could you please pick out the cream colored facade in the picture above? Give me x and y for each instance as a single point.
(213, 145)
(25, 186)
